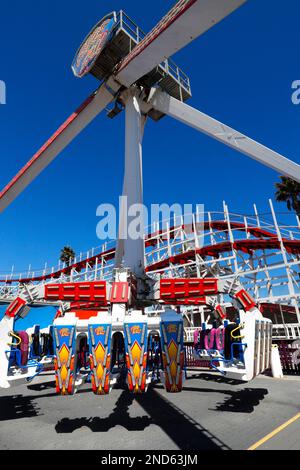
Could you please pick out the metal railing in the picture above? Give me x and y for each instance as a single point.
(280, 332)
(137, 35)
(174, 249)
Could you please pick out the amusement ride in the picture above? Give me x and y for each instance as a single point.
(125, 311)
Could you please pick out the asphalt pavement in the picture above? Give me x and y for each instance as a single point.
(212, 413)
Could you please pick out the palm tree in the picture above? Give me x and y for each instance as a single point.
(67, 255)
(289, 191)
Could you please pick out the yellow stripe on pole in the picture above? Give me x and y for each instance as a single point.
(274, 433)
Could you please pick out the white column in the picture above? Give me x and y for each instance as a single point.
(132, 250)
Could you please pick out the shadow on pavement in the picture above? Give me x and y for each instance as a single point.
(239, 401)
(243, 401)
(216, 378)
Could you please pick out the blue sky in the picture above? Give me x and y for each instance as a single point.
(241, 73)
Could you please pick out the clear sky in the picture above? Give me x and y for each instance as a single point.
(241, 73)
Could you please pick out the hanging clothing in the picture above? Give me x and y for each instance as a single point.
(47, 349)
(220, 338)
(24, 347)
